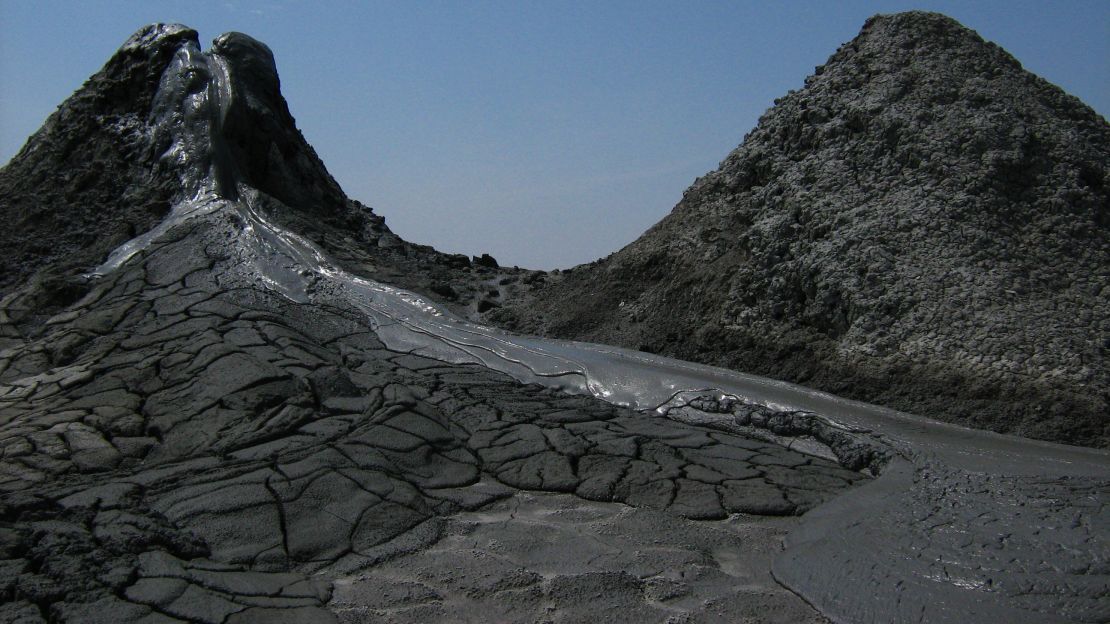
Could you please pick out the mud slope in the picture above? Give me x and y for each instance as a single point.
(924, 225)
(228, 418)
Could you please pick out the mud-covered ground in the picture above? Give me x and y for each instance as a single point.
(227, 420)
(557, 558)
(183, 442)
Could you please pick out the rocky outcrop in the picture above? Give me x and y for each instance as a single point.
(924, 225)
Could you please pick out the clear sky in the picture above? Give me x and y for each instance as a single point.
(546, 133)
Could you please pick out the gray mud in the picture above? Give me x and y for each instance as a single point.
(556, 558)
(229, 426)
(210, 442)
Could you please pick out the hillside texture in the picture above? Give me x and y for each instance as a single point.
(924, 225)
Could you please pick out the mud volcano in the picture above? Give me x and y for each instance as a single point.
(228, 393)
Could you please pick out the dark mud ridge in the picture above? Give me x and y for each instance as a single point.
(227, 418)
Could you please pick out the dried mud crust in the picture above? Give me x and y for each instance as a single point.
(206, 449)
(552, 557)
(923, 226)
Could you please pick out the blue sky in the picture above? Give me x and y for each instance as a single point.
(544, 133)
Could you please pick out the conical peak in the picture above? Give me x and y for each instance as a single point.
(915, 29)
(238, 129)
(244, 52)
(916, 37)
(919, 22)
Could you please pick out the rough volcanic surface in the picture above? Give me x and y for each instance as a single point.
(924, 225)
(228, 419)
(88, 180)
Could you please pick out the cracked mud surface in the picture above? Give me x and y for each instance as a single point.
(234, 423)
(200, 448)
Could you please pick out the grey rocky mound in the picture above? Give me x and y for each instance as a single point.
(924, 225)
